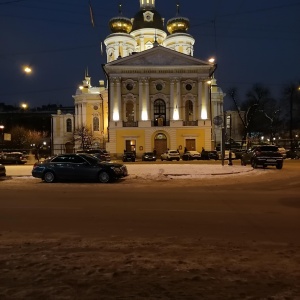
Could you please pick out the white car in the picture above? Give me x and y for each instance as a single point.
(170, 155)
(282, 151)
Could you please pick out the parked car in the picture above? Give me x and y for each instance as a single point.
(2, 170)
(263, 155)
(282, 151)
(170, 155)
(78, 166)
(17, 158)
(239, 152)
(293, 154)
(102, 154)
(191, 155)
(213, 154)
(148, 156)
(128, 156)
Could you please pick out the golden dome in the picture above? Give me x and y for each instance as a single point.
(178, 24)
(120, 24)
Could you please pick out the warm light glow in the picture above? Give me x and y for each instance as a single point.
(211, 60)
(176, 114)
(27, 70)
(116, 116)
(80, 87)
(144, 115)
(1, 126)
(208, 82)
(204, 113)
(24, 105)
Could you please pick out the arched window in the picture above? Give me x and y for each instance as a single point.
(95, 124)
(159, 112)
(129, 111)
(189, 111)
(69, 125)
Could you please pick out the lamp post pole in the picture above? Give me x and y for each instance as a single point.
(2, 137)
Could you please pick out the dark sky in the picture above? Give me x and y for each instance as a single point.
(255, 41)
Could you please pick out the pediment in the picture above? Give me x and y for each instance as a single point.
(158, 56)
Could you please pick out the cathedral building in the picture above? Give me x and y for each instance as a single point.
(157, 95)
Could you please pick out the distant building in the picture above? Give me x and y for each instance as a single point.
(157, 95)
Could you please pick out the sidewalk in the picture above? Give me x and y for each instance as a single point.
(158, 170)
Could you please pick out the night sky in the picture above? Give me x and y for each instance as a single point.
(255, 41)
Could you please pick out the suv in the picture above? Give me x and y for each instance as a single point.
(170, 155)
(17, 158)
(264, 155)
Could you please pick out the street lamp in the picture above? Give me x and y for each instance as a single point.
(2, 136)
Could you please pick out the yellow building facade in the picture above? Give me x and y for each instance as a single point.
(156, 95)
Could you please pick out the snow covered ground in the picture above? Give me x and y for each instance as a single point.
(162, 171)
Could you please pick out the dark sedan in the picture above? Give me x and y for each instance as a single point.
(17, 158)
(78, 166)
(128, 156)
(149, 156)
(263, 155)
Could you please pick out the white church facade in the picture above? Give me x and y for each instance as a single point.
(156, 95)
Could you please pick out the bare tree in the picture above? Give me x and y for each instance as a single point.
(19, 137)
(84, 136)
(37, 139)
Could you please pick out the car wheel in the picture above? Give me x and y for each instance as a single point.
(49, 177)
(104, 177)
(279, 166)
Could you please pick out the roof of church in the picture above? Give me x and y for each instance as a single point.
(139, 21)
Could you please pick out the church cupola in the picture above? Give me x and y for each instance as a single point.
(120, 24)
(178, 24)
(179, 40)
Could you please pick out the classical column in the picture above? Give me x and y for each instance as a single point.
(178, 99)
(84, 113)
(118, 96)
(141, 98)
(200, 91)
(172, 102)
(205, 106)
(146, 101)
(112, 98)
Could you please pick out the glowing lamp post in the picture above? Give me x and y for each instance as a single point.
(2, 136)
